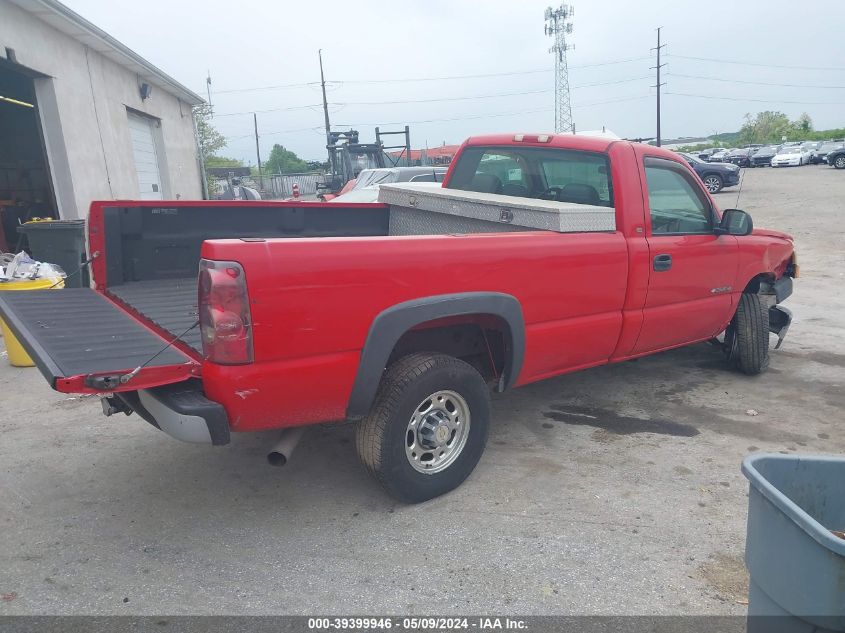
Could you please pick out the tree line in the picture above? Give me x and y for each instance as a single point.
(211, 142)
(770, 128)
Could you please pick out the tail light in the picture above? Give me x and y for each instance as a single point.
(225, 321)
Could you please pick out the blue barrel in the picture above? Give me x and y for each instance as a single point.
(795, 561)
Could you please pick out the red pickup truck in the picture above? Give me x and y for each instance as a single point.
(308, 313)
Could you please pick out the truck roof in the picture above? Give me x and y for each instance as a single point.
(566, 141)
(569, 141)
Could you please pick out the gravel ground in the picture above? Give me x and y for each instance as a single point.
(638, 511)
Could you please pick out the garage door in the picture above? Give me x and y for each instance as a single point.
(146, 158)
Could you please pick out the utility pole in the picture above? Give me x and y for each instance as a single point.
(558, 26)
(325, 108)
(257, 150)
(208, 88)
(658, 85)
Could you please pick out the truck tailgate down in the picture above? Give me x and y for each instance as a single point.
(76, 337)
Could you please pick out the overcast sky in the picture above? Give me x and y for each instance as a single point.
(257, 44)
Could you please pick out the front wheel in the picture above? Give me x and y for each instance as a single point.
(427, 428)
(714, 183)
(747, 336)
(839, 162)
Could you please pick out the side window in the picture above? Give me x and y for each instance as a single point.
(423, 178)
(676, 204)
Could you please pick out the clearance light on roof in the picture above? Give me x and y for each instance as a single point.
(533, 138)
(16, 102)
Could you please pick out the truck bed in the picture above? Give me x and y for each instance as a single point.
(169, 303)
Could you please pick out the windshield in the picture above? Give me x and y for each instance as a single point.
(791, 150)
(692, 159)
(826, 147)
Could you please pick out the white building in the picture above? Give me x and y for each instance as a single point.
(84, 118)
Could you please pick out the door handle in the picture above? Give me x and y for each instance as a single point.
(662, 262)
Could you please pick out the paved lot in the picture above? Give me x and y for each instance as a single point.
(638, 511)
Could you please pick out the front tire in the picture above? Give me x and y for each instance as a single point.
(714, 183)
(747, 336)
(427, 428)
(839, 162)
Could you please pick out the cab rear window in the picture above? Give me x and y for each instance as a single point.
(536, 172)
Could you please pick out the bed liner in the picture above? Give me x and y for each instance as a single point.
(169, 303)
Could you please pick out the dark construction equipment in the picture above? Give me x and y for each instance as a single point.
(349, 157)
(406, 147)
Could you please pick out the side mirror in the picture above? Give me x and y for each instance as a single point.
(735, 222)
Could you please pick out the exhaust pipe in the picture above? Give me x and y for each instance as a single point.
(283, 449)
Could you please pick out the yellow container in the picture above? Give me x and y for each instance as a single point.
(17, 354)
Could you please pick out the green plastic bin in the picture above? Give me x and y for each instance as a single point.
(59, 242)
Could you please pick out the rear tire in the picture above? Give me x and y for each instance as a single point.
(839, 162)
(714, 183)
(747, 336)
(412, 440)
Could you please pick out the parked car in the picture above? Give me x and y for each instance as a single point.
(741, 157)
(402, 333)
(719, 156)
(763, 156)
(707, 153)
(791, 156)
(820, 155)
(367, 184)
(715, 176)
(836, 158)
(811, 147)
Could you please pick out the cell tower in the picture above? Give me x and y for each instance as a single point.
(558, 26)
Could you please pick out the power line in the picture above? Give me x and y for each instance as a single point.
(742, 63)
(278, 87)
(685, 94)
(486, 75)
(756, 83)
(462, 118)
(623, 99)
(441, 99)
(423, 79)
(301, 129)
(468, 98)
(304, 107)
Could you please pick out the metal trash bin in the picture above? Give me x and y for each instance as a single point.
(795, 561)
(59, 242)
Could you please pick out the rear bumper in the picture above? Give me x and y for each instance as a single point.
(182, 411)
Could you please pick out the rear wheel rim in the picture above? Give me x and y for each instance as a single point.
(437, 432)
(840, 162)
(712, 183)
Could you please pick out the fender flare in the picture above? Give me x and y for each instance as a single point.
(390, 324)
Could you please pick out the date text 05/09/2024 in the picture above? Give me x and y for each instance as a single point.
(484, 623)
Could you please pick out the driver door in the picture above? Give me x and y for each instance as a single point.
(692, 270)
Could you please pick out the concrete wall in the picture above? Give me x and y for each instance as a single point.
(83, 105)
